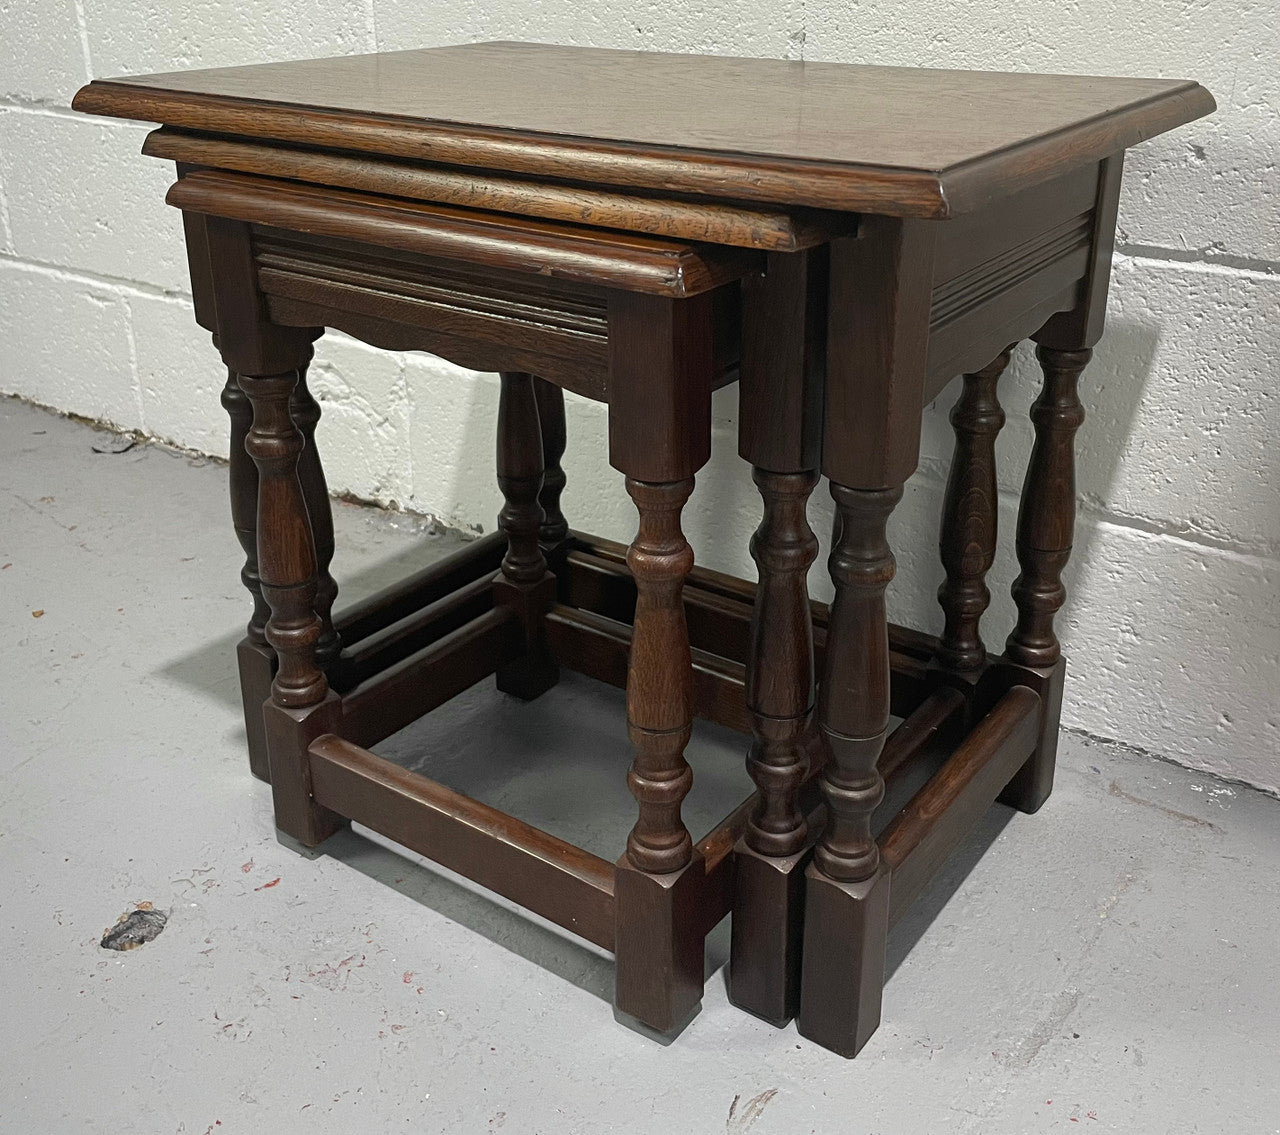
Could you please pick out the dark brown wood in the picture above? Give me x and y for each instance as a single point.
(1033, 782)
(938, 715)
(400, 694)
(379, 649)
(659, 945)
(967, 543)
(256, 665)
(563, 883)
(475, 560)
(701, 582)
(480, 317)
(301, 705)
(1082, 325)
(519, 464)
(1002, 271)
(315, 490)
(718, 615)
(878, 319)
(764, 975)
(600, 648)
(919, 839)
(846, 886)
(711, 222)
(286, 553)
(659, 679)
(640, 229)
(825, 135)
(1046, 515)
(644, 264)
(247, 340)
(853, 713)
(780, 678)
(784, 362)
(842, 971)
(524, 584)
(257, 661)
(554, 531)
(661, 372)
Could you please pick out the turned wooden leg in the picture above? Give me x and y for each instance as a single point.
(1046, 525)
(524, 582)
(554, 530)
(846, 885)
(969, 518)
(658, 883)
(306, 416)
(302, 706)
(769, 858)
(256, 659)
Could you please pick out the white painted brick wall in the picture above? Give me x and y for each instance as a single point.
(1173, 620)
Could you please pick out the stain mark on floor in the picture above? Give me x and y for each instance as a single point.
(1115, 790)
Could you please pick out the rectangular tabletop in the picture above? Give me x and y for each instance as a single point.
(895, 140)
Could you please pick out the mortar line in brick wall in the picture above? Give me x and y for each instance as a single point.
(1205, 258)
(45, 106)
(933, 472)
(82, 25)
(131, 339)
(87, 276)
(6, 227)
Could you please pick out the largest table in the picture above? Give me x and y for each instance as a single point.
(641, 228)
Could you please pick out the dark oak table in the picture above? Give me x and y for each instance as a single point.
(640, 228)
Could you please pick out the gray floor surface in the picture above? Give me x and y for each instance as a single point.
(1110, 964)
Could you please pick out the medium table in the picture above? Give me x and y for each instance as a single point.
(641, 228)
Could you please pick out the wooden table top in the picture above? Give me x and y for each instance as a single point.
(894, 140)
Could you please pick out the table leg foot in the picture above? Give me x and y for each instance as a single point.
(768, 917)
(1033, 782)
(536, 671)
(257, 664)
(289, 731)
(660, 951)
(842, 976)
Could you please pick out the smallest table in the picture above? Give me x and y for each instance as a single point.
(641, 229)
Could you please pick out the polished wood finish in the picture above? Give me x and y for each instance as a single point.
(780, 680)
(243, 476)
(525, 585)
(853, 713)
(315, 491)
(780, 689)
(435, 582)
(710, 222)
(659, 679)
(286, 567)
(641, 230)
(301, 705)
(571, 887)
(970, 516)
(784, 363)
(1081, 325)
(892, 140)
(880, 293)
(847, 887)
(255, 658)
(648, 265)
(554, 531)
(1046, 516)
(921, 836)
(397, 696)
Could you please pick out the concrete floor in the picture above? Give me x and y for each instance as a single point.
(1109, 964)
